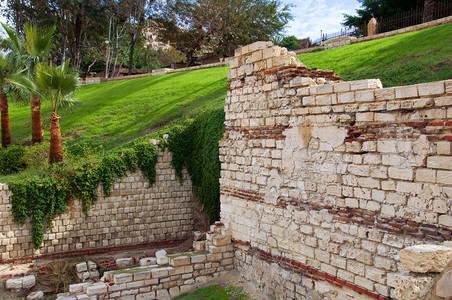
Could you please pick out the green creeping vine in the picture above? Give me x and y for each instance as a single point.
(194, 145)
(42, 198)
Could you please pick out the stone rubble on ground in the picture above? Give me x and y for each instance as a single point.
(173, 274)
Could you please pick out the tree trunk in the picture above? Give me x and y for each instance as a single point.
(429, 9)
(56, 151)
(132, 49)
(6, 131)
(37, 132)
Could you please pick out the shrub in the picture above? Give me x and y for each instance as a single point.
(12, 159)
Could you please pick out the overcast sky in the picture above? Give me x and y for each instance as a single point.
(311, 16)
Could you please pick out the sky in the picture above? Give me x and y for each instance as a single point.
(311, 16)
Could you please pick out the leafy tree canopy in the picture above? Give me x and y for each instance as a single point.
(290, 42)
(378, 9)
(220, 25)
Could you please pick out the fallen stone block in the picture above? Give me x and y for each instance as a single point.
(28, 282)
(91, 266)
(179, 261)
(14, 284)
(161, 257)
(81, 267)
(426, 258)
(35, 295)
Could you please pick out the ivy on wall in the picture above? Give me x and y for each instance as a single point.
(194, 146)
(43, 198)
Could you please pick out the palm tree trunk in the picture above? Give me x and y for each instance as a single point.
(37, 131)
(56, 151)
(6, 131)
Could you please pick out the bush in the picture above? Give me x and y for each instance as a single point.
(12, 159)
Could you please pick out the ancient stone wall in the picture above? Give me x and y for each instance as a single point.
(166, 276)
(135, 214)
(324, 182)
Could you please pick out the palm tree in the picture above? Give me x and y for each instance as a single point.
(36, 49)
(57, 85)
(429, 9)
(10, 73)
(6, 131)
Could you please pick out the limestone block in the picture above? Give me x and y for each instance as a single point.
(81, 267)
(198, 259)
(444, 286)
(160, 272)
(199, 246)
(439, 162)
(35, 295)
(148, 261)
(91, 266)
(410, 287)
(122, 278)
(174, 291)
(220, 240)
(163, 295)
(199, 236)
(78, 287)
(161, 257)
(96, 289)
(14, 284)
(179, 261)
(426, 258)
(124, 262)
(28, 282)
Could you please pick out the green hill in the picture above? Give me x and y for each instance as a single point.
(405, 59)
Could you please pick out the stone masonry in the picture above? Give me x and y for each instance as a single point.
(135, 214)
(171, 275)
(323, 182)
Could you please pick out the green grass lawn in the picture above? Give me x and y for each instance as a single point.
(114, 113)
(215, 292)
(410, 58)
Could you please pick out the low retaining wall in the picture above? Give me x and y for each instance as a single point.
(323, 184)
(134, 215)
(169, 276)
(154, 73)
(341, 42)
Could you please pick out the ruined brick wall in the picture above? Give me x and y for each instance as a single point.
(135, 214)
(323, 184)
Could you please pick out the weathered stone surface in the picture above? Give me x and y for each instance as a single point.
(426, 258)
(124, 262)
(14, 284)
(28, 281)
(81, 267)
(412, 288)
(148, 261)
(91, 266)
(444, 285)
(161, 257)
(35, 295)
(163, 295)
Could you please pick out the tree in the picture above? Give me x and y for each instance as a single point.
(378, 9)
(5, 68)
(219, 25)
(36, 47)
(57, 85)
(429, 8)
(289, 42)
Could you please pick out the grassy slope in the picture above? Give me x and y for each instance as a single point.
(421, 56)
(116, 112)
(120, 111)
